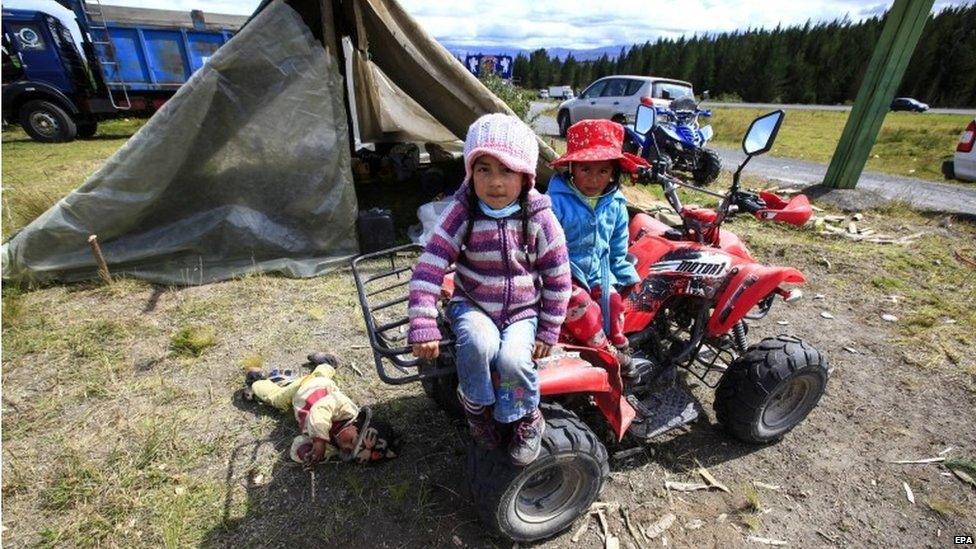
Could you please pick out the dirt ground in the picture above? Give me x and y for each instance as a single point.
(112, 438)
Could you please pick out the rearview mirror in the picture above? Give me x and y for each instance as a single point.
(645, 120)
(762, 133)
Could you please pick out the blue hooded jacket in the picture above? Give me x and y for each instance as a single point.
(596, 237)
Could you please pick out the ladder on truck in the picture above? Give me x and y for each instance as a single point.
(106, 55)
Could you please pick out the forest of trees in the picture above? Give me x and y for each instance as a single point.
(821, 63)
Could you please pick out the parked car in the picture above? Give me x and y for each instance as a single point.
(616, 98)
(908, 104)
(543, 93)
(963, 164)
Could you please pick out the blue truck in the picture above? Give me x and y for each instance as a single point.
(69, 63)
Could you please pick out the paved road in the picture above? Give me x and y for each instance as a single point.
(924, 195)
(787, 106)
(771, 106)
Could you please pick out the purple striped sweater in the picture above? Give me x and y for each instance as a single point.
(494, 271)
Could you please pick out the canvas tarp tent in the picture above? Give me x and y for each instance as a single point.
(248, 167)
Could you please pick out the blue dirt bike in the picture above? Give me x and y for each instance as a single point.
(681, 139)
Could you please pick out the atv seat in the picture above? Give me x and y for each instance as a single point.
(642, 224)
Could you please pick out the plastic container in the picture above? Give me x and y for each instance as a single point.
(375, 230)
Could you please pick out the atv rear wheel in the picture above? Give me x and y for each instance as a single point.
(709, 166)
(442, 389)
(770, 389)
(544, 498)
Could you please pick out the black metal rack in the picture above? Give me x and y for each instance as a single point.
(385, 313)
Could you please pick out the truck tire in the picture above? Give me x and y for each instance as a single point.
(770, 389)
(46, 122)
(544, 498)
(564, 123)
(442, 389)
(709, 166)
(87, 128)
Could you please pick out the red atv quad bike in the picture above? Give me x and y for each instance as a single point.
(699, 288)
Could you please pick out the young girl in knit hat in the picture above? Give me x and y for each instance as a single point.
(511, 284)
(593, 212)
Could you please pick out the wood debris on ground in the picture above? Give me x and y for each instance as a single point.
(766, 541)
(659, 527)
(964, 476)
(685, 486)
(582, 529)
(908, 493)
(918, 461)
(711, 480)
(630, 527)
(852, 228)
(356, 369)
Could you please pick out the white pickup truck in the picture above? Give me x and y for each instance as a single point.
(561, 92)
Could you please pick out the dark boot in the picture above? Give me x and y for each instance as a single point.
(250, 376)
(526, 444)
(627, 370)
(480, 423)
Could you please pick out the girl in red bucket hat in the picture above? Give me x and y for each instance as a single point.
(586, 199)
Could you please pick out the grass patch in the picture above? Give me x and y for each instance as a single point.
(36, 175)
(908, 144)
(192, 341)
(252, 361)
(76, 481)
(945, 507)
(967, 465)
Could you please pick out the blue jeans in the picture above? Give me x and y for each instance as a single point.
(482, 348)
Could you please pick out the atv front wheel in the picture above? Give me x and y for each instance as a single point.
(544, 498)
(708, 168)
(770, 389)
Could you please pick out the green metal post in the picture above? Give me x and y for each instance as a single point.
(901, 32)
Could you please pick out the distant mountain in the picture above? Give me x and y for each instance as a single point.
(580, 55)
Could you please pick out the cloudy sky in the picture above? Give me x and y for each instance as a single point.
(589, 24)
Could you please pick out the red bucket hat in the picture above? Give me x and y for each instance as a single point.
(597, 140)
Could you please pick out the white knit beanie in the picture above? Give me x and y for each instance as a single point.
(506, 138)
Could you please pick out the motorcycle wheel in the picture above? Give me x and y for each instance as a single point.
(770, 389)
(545, 497)
(709, 166)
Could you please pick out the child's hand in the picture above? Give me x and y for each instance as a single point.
(541, 350)
(427, 350)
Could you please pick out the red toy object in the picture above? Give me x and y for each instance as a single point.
(795, 212)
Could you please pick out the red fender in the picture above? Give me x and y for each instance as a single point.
(795, 212)
(595, 372)
(747, 287)
(731, 243)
